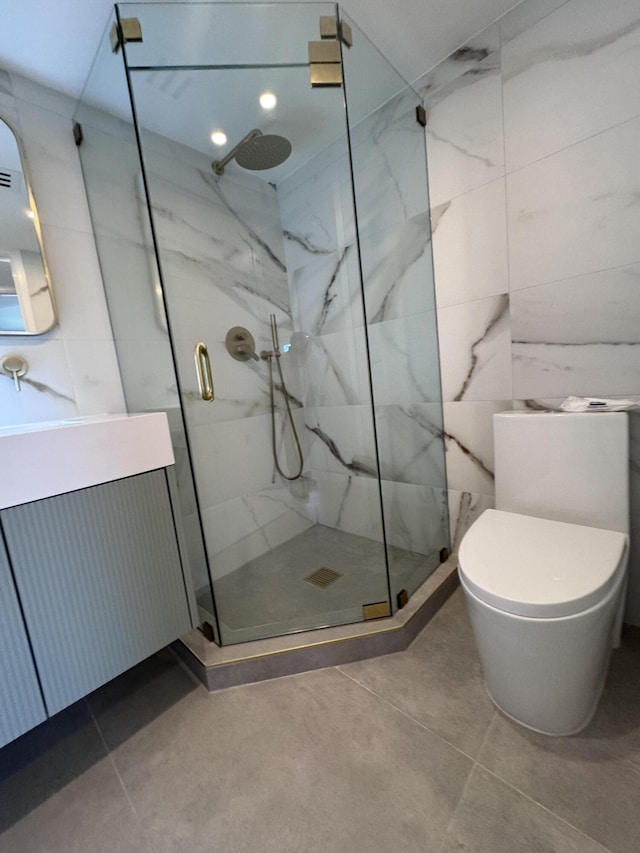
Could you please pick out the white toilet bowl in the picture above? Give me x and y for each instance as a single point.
(544, 574)
(545, 599)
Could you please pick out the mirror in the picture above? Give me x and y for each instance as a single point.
(26, 300)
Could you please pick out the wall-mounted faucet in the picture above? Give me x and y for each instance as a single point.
(14, 366)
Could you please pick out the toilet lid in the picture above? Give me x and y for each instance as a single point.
(536, 567)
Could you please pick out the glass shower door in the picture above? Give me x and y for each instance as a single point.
(254, 241)
(388, 155)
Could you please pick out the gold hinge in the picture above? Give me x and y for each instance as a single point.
(129, 30)
(379, 610)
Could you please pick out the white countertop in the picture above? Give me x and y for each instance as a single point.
(41, 460)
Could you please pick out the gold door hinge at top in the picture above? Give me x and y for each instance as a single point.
(128, 30)
(325, 60)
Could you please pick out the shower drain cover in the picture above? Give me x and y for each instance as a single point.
(323, 577)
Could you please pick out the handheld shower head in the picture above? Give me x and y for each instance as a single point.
(256, 151)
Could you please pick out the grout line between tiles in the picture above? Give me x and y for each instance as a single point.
(546, 809)
(591, 136)
(404, 713)
(478, 763)
(466, 784)
(445, 834)
(113, 763)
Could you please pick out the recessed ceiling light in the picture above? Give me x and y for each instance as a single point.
(218, 137)
(268, 100)
(30, 214)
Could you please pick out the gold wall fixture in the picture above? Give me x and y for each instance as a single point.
(128, 30)
(325, 60)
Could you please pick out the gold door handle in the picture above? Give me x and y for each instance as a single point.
(203, 369)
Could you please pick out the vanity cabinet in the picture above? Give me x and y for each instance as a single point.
(21, 703)
(101, 584)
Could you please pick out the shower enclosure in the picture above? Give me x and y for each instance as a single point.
(275, 297)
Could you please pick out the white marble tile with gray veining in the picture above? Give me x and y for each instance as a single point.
(475, 350)
(468, 429)
(349, 503)
(247, 527)
(343, 440)
(46, 391)
(326, 293)
(523, 16)
(389, 169)
(578, 336)
(576, 211)
(405, 360)
(415, 517)
(465, 145)
(464, 509)
(410, 445)
(148, 374)
(470, 245)
(397, 270)
(53, 167)
(93, 366)
(316, 207)
(465, 59)
(337, 371)
(570, 76)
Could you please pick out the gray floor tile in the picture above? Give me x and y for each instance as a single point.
(131, 701)
(42, 762)
(307, 763)
(88, 815)
(580, 778)
(494, 818)
(438, 680)
(269, 595)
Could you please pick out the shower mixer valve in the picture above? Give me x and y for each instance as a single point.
(241, 344)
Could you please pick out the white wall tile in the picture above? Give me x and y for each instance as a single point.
(404, 360)
(66, 376)
(465, 146)
(468, 431)
(470, 245)
(475, 350)
(576, 211)
(464, 509)
(579, 336)
(572, 75)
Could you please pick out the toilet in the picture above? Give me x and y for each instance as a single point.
(544, 574)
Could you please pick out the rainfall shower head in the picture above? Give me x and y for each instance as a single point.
(256, 151)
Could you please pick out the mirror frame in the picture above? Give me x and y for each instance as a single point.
(8, 251)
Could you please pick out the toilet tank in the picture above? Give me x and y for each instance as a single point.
(567, 467)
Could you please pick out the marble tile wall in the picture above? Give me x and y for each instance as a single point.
(383, 341)
(221, 251)
(532, 141)
(73, 369)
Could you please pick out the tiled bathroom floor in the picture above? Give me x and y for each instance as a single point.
(403, 753)
(269, 595)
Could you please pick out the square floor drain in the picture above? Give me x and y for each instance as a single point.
(323, 577)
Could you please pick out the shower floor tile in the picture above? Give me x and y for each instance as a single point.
(270, 595)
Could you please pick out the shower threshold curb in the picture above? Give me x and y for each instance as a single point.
(230, 666)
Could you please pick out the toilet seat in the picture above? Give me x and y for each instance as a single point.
(537, 567)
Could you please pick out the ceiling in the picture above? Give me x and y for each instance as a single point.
(54, 43)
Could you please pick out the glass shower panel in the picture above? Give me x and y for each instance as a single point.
(112, 173)
(394, 232)
(237, 249)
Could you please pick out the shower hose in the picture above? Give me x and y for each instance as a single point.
(270, 357)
